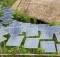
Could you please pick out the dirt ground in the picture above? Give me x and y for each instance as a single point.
(45, 10)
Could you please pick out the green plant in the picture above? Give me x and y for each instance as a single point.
(21, 16)
(53, 23)
(35, 20)
(1, 13)
(40, 50)
(23, 50)
(7, 3)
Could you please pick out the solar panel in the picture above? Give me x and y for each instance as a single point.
(2, 38)
(7, 10)
(2, 32)
(31, 43)
(5, 17)
(8, 21)
(15, 24)
(8, 13)
(58, 36)
(55, 28)
(24, 26)
(48, 46)
(0, 25)
(14, 41)
(32, 31)
(15, 30)
(43, 27)
(46, 34)
(58, 47)
(6, 29)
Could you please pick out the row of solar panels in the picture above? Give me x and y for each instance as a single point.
(48, 46)
(7, 16)
(30, 31)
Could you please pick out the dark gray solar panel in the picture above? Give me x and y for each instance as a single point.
(31, 43)
(48, 46)
(15, 41)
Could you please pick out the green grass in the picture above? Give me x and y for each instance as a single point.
(1, 13)
(53, 23)
(7, 3)
(19, 16)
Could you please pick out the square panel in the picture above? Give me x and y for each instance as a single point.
(46, 34)
(2, 32)
(7, 21)
(43, 27)
(15, 24)
(31, 31)
(14, 41)
(24, 26)
(48, 46)
(58, 36)
(31, 43)
(15, 30)
(6, 29)
(55, 29)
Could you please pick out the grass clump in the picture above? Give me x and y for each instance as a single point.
(21, 16)
(7, 3)
(1, 13)
(53, 23)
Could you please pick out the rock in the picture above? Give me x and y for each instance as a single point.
(45, 10)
